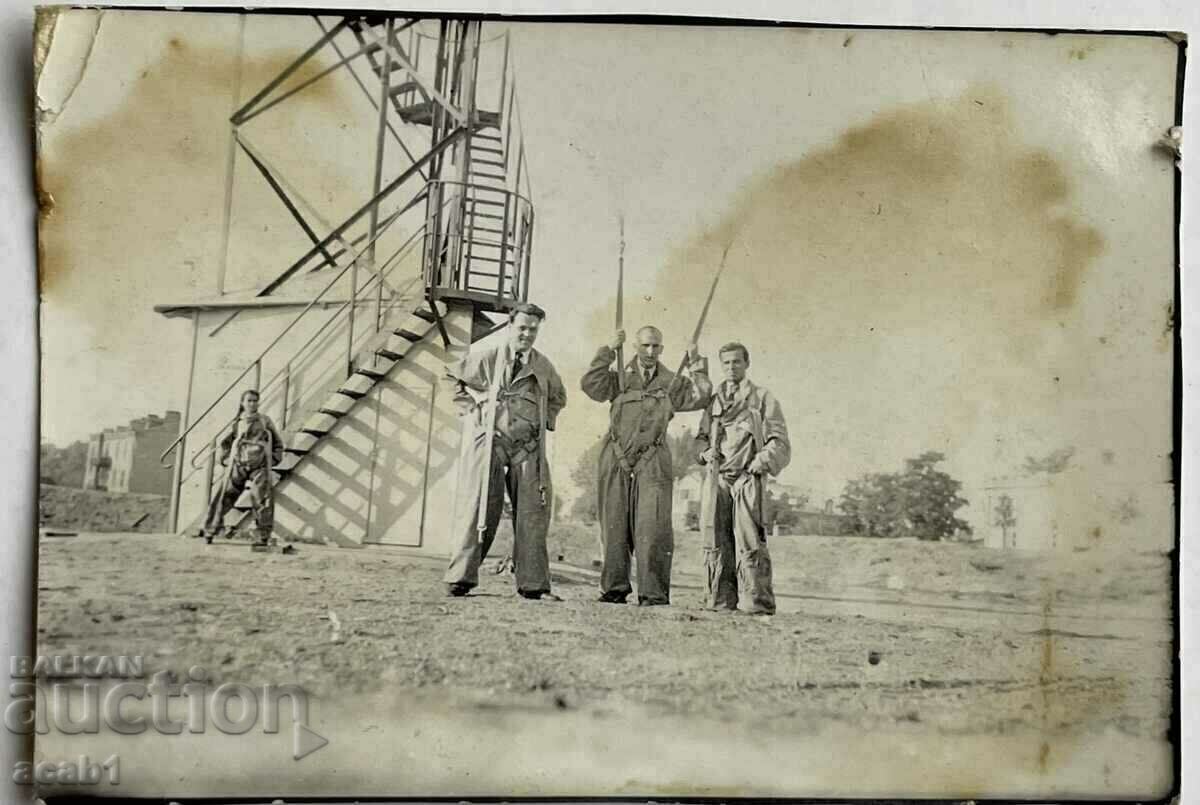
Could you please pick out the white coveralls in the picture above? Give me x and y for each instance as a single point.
(746, 423)
(528, 407)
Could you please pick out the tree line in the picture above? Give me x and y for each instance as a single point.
(63, 466)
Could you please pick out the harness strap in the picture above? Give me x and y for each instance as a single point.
(543, 398)
(632, 469)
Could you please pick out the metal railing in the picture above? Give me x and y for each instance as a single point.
(281, 381)
(479, 224)
(506, 249)
(476, 238)
(512, 131)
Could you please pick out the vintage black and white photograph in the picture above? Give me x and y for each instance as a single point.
(466, 407)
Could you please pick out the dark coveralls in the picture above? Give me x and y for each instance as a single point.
(635, 481)
(528, 407)
(746, 423)
(251, 441)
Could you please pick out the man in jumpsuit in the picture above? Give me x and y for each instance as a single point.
(246, 449)
(530, 396)
(743, 437)
(635, 480)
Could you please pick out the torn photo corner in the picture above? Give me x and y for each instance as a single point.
(366, 410)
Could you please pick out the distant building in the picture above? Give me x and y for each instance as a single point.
(128, 458)
(685, 503)
(820, 523)
(1076, 510)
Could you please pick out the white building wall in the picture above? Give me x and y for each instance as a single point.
(385, 474)
(225, 346)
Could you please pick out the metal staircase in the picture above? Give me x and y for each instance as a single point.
(384, 357)
(474, 241)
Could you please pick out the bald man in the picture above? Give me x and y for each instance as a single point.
(635, 475)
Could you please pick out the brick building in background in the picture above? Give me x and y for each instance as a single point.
(127, 458)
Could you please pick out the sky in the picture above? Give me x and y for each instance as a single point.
(941, 241)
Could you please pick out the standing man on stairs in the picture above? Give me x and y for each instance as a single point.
(529, 395)
(635, 476)
(250, 449)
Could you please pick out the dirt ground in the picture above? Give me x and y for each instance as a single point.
(872, 636)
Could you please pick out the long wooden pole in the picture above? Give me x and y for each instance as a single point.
(230, 161)
(499, 367)
(621, 305)
(177, 470)
(712, 290)
(385, 78)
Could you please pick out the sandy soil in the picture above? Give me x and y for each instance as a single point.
(871, 637)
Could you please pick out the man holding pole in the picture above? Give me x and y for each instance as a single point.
(510, 396)
(743, 437)
(635, 478)
(248, 451)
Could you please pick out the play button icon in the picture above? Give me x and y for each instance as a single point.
(305, 741)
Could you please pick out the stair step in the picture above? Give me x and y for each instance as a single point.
(426, 314)
(487, 188)
(388, 354)
(507, 261)
(481, 175)
(319, 424)
(492, 137)
(422, 114)
(408, 335)
(486, 244)
(487, 229)
(485, 118)
(301, 443)
(337, 405)
(418, 113)
(398, 346)
(291, 459)
(357, 385)
(373, 372)
(400, 89)
(487, 148)
(491, 162)
(487, 215)
(485, 201)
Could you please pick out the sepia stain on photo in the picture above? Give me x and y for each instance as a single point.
(508, 408)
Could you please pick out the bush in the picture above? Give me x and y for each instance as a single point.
(64, 466)
(918, 502)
